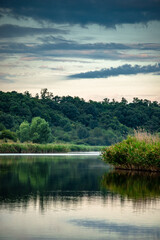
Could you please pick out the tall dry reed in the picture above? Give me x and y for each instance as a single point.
(142, 135)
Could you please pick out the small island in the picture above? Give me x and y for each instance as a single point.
(138, 152)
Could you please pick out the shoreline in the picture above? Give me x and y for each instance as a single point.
(31, 148)
(96, 153)
(135, 169)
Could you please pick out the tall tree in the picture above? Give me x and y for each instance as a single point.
(40, 131)
(24, 131)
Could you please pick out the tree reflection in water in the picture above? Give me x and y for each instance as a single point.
(140, 187)
(70, 180)
(48, 179)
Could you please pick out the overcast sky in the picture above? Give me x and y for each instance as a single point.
(93, 49)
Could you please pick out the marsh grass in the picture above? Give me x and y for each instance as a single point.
(139, 152)
(142, 135)
(44, 148)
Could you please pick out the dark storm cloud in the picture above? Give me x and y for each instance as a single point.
(63, 44)
(126, 69)
(72, 45)
(103, 12)
(14, 48)
(60, 47)
(10, 31)
(60, 43)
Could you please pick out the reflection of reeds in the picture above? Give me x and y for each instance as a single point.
(133, 185)
(142, 174)
(142, 135)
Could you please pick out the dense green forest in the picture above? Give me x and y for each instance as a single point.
(48, 118)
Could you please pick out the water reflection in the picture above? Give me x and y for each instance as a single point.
(23, 178)
(58, 197)
(125, 229)
(70, 179)
(133, 185)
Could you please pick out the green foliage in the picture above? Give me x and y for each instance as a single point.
(24, 132)
(7, 120)
(37, 132)
(40, 131)
(134, 154)
(2, 127)
(44, 148)
(70, 110)
(7, 134)
(72, 119)
(82, 132)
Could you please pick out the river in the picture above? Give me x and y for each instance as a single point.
(75, 196)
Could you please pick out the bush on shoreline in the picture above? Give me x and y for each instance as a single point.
(139, 152)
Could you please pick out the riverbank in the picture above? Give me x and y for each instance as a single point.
(141, 152)
(45, 148)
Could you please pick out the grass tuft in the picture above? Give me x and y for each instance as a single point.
(146, 137)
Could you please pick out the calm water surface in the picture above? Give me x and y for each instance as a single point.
(76, 197)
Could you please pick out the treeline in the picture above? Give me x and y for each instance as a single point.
(48, 118)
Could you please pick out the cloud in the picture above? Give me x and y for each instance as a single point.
(59, 47)
(44, 52)
(64, 44)
(102, 12)
(126, 69)
(53, 39)
(6, 78)
(14, 48)
(11, 31)
(50, 43)
(116, 228)
(51, 68)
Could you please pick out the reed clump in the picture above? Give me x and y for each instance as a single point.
(147, 137)
(138, 152)
(44, 148)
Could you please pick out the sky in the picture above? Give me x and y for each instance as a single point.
(93, 49)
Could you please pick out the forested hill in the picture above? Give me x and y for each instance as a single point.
(71, 119)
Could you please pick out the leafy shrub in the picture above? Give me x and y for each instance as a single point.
(7, 134)
(134, 154)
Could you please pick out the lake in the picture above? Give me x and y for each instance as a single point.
(76, 197)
